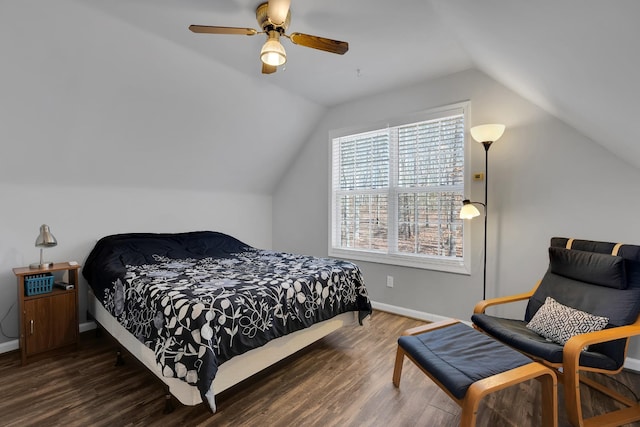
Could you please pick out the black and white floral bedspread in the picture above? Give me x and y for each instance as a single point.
(198, 313)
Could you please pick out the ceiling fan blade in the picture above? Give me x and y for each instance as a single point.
(268, 69)
(277, 11)
(222, 30)
(321, 43)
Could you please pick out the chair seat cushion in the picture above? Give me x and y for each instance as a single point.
(459, 355)
(515, 334)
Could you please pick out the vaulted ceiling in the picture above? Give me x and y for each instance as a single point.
(135, 96)
(391, 43)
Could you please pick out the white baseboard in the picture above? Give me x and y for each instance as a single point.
(629, 363)
(12, 345)
(8, 346)
(632, 364)
(87, 326)
(414, 314)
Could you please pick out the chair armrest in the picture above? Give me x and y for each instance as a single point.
(482, 305)
(571, 367)
(430, 327)
(574, 346)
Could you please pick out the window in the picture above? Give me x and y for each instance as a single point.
(396, 192)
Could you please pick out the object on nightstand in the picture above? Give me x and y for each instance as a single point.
(63, 285)
(45, 240)
(37, 284)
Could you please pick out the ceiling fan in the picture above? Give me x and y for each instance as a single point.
(274, 17)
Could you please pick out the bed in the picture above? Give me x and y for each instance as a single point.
(204, 311)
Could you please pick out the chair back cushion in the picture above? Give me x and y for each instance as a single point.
(600, 278)
(598, 269)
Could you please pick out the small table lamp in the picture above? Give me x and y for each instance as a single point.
(45, 240)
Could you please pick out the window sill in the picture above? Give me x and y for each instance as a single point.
(443, 264)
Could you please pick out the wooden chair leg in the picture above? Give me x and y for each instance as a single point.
(397, 370)
(571, 382)
(629, 414)
(549, 393)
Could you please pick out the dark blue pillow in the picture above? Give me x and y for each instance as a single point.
(590, 267)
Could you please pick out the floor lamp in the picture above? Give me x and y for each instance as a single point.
(486, 135)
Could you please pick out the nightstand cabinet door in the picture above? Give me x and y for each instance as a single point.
(50, 322)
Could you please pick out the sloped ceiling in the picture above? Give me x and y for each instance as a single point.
(390, 43)
(577, 59)
(123, 92)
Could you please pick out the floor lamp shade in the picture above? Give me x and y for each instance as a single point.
(487, 133)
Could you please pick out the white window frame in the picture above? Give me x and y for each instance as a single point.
(445, 264)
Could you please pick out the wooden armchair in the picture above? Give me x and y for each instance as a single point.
(599, 279)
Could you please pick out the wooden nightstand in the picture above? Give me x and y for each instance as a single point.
(50, 320)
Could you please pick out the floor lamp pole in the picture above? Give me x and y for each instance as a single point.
(486, 145)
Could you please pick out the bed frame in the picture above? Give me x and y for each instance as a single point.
(229, 373)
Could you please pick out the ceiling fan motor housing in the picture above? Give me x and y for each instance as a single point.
(266, 24)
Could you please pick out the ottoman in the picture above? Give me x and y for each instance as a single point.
(468, 365)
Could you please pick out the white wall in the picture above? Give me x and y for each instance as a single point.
(546, 179)
(78, 216)
(107, 102)
(107, 128)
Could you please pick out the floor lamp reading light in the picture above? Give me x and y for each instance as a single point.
(486, 135)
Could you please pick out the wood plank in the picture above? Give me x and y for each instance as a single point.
(342, 380)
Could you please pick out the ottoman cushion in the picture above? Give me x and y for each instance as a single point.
(458, 355)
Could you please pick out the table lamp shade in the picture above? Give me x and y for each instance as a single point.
(44, 240)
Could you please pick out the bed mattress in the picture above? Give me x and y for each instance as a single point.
(198, 300)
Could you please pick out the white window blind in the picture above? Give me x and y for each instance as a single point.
(396, 192)
(362, 188)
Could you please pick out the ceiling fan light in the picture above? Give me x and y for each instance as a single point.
(273, 53)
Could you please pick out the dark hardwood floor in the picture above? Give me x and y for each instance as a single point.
(342, 380)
